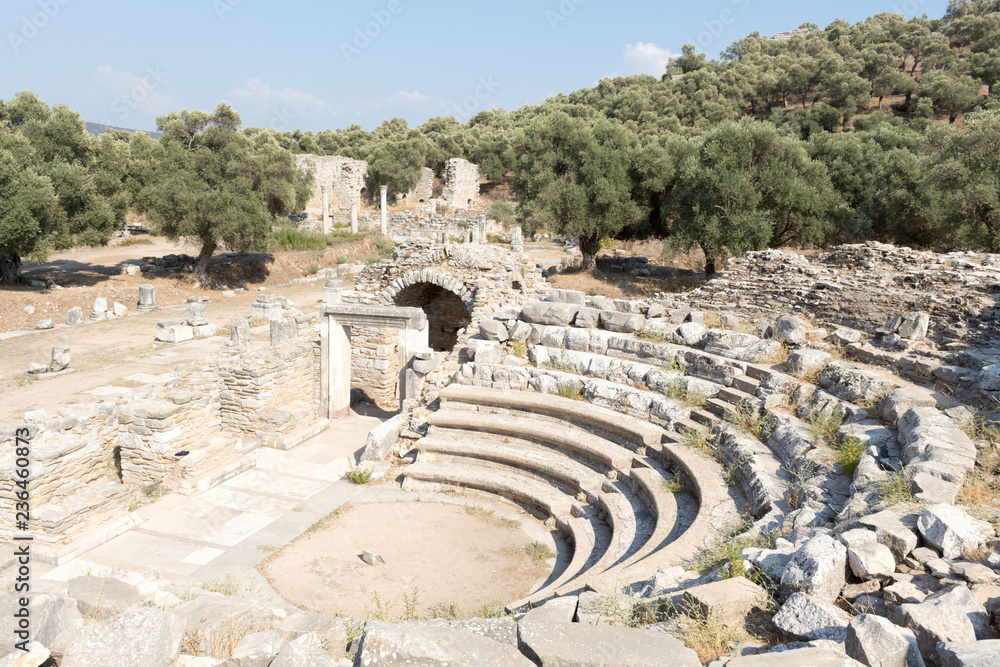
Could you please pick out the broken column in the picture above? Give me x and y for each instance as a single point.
(174, 331)
(147, 299)
(239, 333)
(60, 359)
(474, 234)
(100, 309)
(383, 212)
(445, 238)
(354, 217)
(332, 291)
(325, 226)
(284, 332)
(482, 229)
(517, 240)
(196, 317)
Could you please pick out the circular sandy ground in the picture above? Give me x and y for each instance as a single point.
(441, 560)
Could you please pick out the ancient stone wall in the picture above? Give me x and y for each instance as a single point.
(461, 184)
(346, 180)
(375, 364)
(424, 189)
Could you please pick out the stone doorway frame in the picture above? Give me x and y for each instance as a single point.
(336, 321)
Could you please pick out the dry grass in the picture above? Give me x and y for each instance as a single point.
(490, 517)
(623, 285)
(980, 491)
(223, 640)
(781, 357)
(708, 637)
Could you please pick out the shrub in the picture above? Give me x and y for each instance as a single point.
(359, 474)
(849, 451)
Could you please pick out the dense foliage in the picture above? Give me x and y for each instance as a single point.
(887, 129)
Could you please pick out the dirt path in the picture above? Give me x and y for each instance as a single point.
(107, 352)
(445, 555)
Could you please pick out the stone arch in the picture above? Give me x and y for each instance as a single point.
(447, 302)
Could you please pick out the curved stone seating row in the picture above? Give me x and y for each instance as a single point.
(547, 449)
(616, 462)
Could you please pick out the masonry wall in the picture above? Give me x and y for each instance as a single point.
(346, 179)
(375, 364)
(461, 183)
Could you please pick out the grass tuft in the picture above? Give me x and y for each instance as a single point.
(538, 551)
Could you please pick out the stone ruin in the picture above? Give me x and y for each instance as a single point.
(344, 180)
(642, 431)
(342, 183)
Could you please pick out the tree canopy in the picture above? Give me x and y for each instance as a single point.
(217, 184)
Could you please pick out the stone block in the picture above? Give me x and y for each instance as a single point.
(174, 333)
(431, 645)
(581, 644)
(727, 601)
(896, 404)
(810, 618)
(568, 296)
(284, 332)
(74, 316)
(951, 530)
(818, 567)
(549, 314)
(120, 310)
(144, 636)
(45, 324)
(196, 315)
(622, 322)
(60, 359)
(789, 329)
(874, 640)
(205, 331)
(493, 330)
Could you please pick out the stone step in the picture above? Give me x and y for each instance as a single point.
(296, 437)
(581, 532)
(546, 462)
(651, 484)
(759, 372)
(746, 384)
(509, 485)
(733, 396)
(718, 407)
(639, 431)
(688, 426)
(562, 436)
(617, 511)
(705, 417)
(672, 437)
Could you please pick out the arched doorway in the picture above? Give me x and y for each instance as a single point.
(445, 310)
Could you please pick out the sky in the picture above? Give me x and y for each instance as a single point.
(311, 65)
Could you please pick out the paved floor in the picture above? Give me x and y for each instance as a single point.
(235, 525)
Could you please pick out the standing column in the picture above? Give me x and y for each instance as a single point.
(384, 221)
(354, 217)
(325, 227)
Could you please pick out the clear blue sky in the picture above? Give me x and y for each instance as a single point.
(302, 64)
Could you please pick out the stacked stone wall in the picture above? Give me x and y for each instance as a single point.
(346, 180)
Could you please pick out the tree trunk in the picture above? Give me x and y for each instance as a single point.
(201, 264)
(589, 247)
(9, 268)
(710, 267)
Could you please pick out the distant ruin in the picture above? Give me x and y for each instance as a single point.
(346, 184)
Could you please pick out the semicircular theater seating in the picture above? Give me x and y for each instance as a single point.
(598, 474)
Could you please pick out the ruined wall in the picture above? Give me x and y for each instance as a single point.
(375, 364)
(461, 184)
(424, 189)
(346, 179)
(73, 483)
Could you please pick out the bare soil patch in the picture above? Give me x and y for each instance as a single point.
(453, 560)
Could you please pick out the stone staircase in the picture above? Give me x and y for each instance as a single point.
(595, 474)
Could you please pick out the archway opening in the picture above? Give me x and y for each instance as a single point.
(446, 313)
